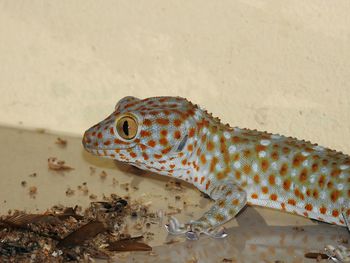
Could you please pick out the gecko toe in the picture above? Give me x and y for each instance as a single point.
(175, 227)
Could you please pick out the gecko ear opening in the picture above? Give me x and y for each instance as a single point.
(182, 143)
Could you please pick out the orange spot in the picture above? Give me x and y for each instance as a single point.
(256, 179)
(107, 143)
(260, 148)
(184, 162)
(335, 213)
(254, 196)
(172, 166)
(274, 156)
(329, 185)
(323, 210)
(335, 173)
(145, 133)
(166, 150)
(177, 122)
(284, 169)
(286, 184)
(235, 139)
(207, 185)
(133, 155)
(238, 175)
(196, 179)
(191, 132)
(306, 214)
(99, 135)
(151, 143)
(314, 167)
(247, 169)
(321, 181)
(272, 179)
(308, 192)
(264, 165)
(221, 176)
(273, 197)
(111, 131)
(246, 153)
(335, 195)
(203, 159)
(298, 159)
(190, 147)
(202, 179)
(210, 146)
(164, 132)
(303, 175)
(308, 207)
(235, 201)
(265, 189)
(163, 141)
(283, 206)
(219, 217)
(162, 121)
(315, 194)
(292, 202)
(177, 134)
(147, 122)
(213, 162)
(157, 156)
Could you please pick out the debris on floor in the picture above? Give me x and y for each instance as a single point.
(69, 234)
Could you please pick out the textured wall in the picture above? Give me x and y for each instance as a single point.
(271, 65)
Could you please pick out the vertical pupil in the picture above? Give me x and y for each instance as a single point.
(126, 128)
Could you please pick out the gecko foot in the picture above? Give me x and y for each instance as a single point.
(193, 229)
(338, 254)
(175, 227)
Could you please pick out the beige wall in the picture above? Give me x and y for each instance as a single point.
(281, 66)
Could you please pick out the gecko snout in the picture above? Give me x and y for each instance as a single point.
(87, 141)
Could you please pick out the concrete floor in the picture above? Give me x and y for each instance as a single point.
(256, 235)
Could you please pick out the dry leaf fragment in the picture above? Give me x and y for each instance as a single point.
(82, 234)
(69, 212)
(55, 164)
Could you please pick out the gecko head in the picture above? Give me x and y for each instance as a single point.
(145, 132)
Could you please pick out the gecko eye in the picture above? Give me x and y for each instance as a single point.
(127, 127)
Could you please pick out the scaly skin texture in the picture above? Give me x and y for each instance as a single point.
(233, 166)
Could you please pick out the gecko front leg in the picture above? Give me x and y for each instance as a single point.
(229, 200)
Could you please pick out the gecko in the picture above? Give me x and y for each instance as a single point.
(235, 166)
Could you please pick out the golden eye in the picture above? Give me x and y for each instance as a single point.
(127, 127)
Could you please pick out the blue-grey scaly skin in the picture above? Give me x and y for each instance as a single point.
(173, 137)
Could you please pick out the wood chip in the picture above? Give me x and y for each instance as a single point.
(103, 175)
(33, 190)
(57, 165)
(128, 245)
(59, 141)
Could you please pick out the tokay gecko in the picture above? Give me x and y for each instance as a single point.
(173, 137)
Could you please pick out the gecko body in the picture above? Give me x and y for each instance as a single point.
(173, 137)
